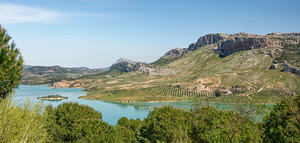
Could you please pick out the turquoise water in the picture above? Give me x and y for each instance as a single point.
(111, 111)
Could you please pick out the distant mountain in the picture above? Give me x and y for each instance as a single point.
(48, 74)
(125, 60)
(26, 66)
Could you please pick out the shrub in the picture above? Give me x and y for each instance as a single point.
(21, 124)
(218, 93)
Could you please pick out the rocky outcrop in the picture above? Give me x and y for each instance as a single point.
(288, 68)
(206, 40)
(158, 71)
(178, 52)
(123, 66)
(283, 34)
(274, 66)
(125, 60)
(285, 67)
(202, 41)
(240, 42)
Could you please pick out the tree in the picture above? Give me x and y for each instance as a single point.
(211, 125)
(10, 64)
(166, 124)
(129, 130)
(283, 123)
(218, 93)
(71, 122)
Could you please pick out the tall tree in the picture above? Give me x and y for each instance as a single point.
(10, 64)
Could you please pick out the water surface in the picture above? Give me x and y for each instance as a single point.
(111, 111)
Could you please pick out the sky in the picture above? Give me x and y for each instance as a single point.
(96, 33)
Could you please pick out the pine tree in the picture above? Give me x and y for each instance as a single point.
(10, 64)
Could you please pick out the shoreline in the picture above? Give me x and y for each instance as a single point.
(172, 101)
(131, 101)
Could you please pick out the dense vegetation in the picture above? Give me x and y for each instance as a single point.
(71, 122)
(10, 64)
(22, 124)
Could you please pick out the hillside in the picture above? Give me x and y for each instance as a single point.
(49, 74)
(218, 67)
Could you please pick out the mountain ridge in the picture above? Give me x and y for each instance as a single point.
(234, 64)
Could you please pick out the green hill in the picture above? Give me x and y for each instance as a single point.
(49, 74)
(218, 67)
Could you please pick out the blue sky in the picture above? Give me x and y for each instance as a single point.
(95, 33)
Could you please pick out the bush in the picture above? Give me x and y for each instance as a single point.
(166, 124)
(282, 125)
(71, 122)
(218, 93)
(21, 124)
(211, 125)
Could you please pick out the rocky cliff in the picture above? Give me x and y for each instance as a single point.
(206, 40)
(275, 44)
(239, 43)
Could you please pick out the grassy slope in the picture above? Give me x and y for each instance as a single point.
(202, 70)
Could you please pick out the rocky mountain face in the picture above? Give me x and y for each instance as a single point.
(223, 45)
(242, 63)
(206, 40)
(240, 43)
(48, 74)
(227, 44)
(202, 41)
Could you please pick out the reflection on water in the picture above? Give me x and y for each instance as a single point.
(111, 111)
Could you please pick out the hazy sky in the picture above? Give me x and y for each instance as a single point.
(95, 33)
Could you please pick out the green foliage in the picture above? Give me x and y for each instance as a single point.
(218, 93)
(211, 125)
(71, 122)
(10, 64)
(283, 123)
(166, 124)
(21, 124)
(129, 130)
